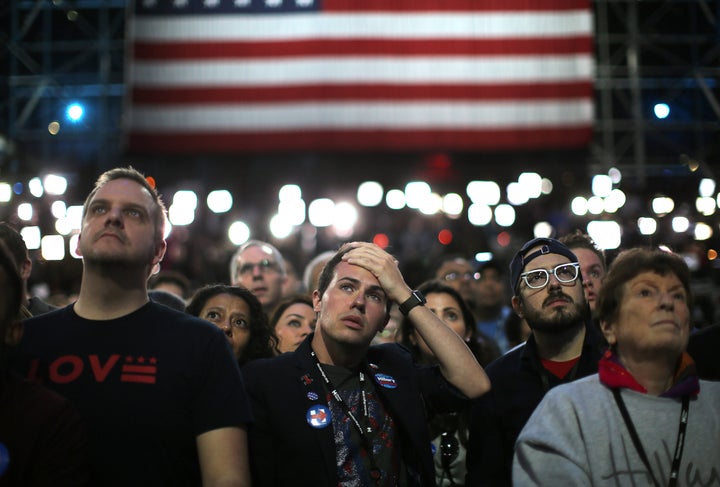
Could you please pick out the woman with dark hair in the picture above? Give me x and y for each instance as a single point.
(449, 431)
(239, 314)
(292, 320)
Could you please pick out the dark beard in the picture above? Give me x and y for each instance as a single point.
(560, 321)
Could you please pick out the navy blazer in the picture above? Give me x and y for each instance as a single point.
(286, 450)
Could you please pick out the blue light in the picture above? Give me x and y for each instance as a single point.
(18, 188)
(75, 112)
(662, 110)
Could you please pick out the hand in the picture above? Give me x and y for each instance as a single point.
(380, 264)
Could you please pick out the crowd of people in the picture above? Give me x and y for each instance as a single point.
(577, 372)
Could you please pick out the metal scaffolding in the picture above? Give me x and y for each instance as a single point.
(646, 52)
(650, 52)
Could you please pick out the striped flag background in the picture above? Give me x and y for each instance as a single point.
(285, 75)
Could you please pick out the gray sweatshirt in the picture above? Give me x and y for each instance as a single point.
(577, 437)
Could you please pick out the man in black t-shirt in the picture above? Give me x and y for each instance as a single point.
(160, 390)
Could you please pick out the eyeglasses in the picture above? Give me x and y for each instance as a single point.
(264, 266)
(467, 276)
(539, 278)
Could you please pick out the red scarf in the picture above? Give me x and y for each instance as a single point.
(614, 375)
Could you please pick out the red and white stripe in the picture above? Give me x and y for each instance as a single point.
(365, 75)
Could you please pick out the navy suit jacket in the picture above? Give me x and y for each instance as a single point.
(287, 451)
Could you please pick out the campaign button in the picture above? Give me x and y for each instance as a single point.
(386, 381)
(318, 416)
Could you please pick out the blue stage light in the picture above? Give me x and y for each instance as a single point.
(75, 112)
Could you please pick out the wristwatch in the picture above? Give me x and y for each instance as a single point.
(415, 299)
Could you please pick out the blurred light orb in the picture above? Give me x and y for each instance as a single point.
(370, 193)
(606, 234)
(280, 227)
(415, 193)
(321, 212)
(483, 192)
(239, 233)
(219, 201)
(579, 206)
(647, 226)
(55, 184)
(662, 205)
(479, 214)
(543, 229)
(703, 231)
(504, 215)
(452, 204)
(395, 199)
(680, 224)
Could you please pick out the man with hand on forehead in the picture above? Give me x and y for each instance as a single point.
(337, 411)
(564, 346)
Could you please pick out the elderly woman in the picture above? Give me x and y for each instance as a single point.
(645, 419)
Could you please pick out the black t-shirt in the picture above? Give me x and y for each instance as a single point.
(147, 384)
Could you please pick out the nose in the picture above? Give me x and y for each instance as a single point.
(666, 301)
(359, 301)
(114, 216)
(257, 272)
(553, 282)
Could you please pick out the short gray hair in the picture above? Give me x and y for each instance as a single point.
(279, 260)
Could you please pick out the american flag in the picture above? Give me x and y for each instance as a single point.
(286, 75)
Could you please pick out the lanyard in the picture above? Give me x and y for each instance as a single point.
(679, 444)
(374, 471)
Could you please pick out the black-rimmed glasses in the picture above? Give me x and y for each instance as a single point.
(539, 278)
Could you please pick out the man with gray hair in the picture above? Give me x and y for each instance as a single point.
(259, 267)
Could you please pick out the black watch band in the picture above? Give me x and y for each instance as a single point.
(415, 299)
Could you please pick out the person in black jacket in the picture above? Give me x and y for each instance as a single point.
(703, 347)
(337, 411)
(43, 441)
(19, 253)
(563, 346)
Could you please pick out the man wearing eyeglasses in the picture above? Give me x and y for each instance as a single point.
(564, 346)
(260, 267)
(458, 273)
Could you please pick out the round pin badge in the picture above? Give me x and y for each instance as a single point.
(318, 416)
(386, 381)
(4, 459)
(312, 395)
